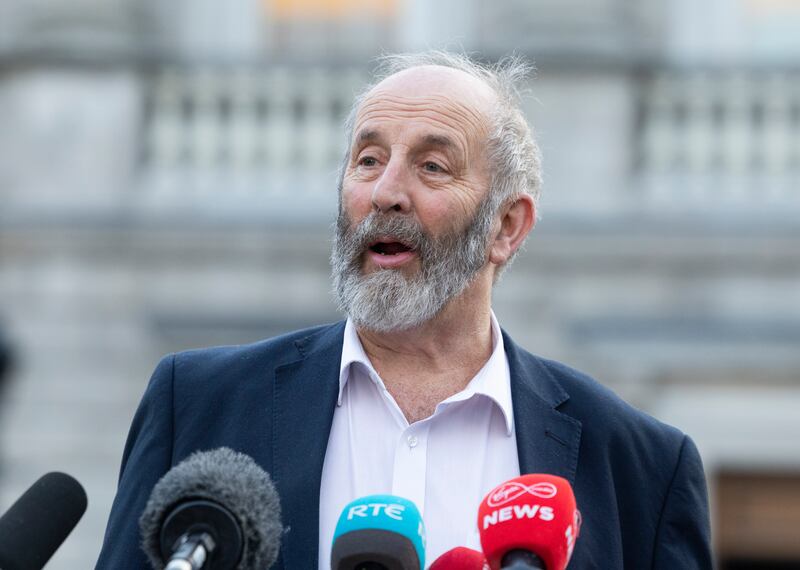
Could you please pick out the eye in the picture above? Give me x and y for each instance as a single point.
(432, 167)
(367, 161)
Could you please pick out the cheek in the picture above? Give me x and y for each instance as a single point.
(448, 214)
(439, 218)
(356, 198)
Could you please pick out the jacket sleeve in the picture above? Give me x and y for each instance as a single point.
(683, 538)
(147, 456)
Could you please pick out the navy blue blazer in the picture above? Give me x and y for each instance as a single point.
(638, 483)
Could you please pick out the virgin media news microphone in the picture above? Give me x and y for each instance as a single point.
(216, 510)
(379, 532)
(460, 558)
(529, 522)
(39, 521)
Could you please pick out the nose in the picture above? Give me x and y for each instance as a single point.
(391, 189)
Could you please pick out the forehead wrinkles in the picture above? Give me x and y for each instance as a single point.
(461, 118)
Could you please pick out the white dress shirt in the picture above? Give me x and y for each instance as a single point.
(445, 464)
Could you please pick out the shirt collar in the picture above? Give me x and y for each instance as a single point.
(492, 381)
(352, 353)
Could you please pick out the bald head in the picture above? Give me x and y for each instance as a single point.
(438, 80)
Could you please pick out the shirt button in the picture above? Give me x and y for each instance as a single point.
(412, 441)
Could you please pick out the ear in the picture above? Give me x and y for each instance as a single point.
(516, 222)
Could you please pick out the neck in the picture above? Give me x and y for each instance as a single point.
(441, 355)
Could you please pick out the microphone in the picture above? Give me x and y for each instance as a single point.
(379, 532)
(39, 521)
(216, 510)
(529, 522)
(460, 558)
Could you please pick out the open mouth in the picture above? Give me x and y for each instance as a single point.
(389, 248)
(390, 254)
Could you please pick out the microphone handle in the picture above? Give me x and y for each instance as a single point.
(519, 559)
(192, 552)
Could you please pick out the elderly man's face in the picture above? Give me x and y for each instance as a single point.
(418, 151)
(413, 224)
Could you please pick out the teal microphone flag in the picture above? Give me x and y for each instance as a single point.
(380, 527)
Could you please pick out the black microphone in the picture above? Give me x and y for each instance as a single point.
(39, 521)
(216, 510)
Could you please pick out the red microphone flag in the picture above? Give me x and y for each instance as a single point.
(534, 512)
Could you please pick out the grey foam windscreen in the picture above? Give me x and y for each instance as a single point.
(235, 482)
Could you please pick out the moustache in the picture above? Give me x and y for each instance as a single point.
(379, 227)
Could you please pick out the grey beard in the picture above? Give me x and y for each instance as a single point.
(386, 300)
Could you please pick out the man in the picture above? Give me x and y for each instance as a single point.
(419, 393)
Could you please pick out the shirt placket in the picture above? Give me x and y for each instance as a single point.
(410, 464)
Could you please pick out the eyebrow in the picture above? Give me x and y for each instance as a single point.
(439, 140)
(370, 135)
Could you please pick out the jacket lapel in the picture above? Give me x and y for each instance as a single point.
(547, 440)
(305, 393)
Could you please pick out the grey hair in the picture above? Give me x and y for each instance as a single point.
(513, 155)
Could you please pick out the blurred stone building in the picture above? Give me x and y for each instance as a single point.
(167, 180)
